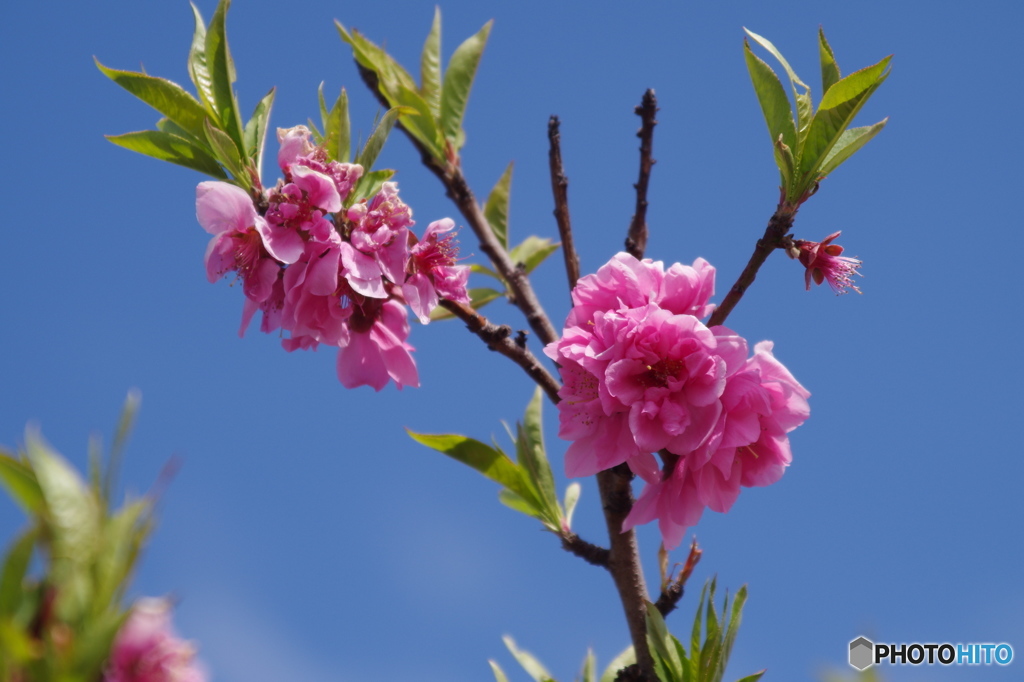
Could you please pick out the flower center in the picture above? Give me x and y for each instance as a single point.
(658, 374)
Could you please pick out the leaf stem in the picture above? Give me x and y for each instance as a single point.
(560, 190)
(636, 239)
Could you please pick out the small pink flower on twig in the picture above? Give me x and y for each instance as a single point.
(824, 262)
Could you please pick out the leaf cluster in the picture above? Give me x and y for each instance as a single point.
(60, 623)
(527, 483)
(809, 144)
(538, 673)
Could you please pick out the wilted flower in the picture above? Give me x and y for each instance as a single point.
(824, 262)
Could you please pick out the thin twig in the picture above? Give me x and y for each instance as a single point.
(673, 592)
(560, 190)
(774, 238)
(591, 553)
(457, 189)
(636, 239)
(499, 338)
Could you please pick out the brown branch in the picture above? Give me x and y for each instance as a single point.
(449, 172)
(499, 338)
(636, 239)
(774, 238)
(560, 190)
(592, 554)
(673, 591)
(615, 485)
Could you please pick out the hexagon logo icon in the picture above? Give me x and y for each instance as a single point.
(862, 652)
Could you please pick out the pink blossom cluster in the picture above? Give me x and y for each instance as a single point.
(147, 650)
(642, 374)
(327, 273)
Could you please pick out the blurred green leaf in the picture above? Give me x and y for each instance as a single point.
(256, 131)
(533, 251)
(496, 207)
(572, 496)
(499, 674)
(458, 81)
(123, 537)
(837, 109)
(829, 69)
(752, 678)
(589, 671)
(368, 185)
(123, 430)
(222, 75)
(489, 461)
(772, 96)
(849, 143)
(20, 481)
(93, 647)
(16, 646)
(430, 67)
(15, 567)
(478, 298)
(484, 270)
(377, 138)
(623, 660)
(530, 664)
(166, 97)
(167, 147)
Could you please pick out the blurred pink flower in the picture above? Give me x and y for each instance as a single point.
(147, 650)
(825, 263)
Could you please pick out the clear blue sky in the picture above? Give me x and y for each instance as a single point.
(308, 538)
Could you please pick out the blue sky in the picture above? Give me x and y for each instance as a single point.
(307, 538)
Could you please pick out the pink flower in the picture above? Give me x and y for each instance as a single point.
(379, 229)
(824, 262)
(434, 272)
(147, 650)
(377, 350)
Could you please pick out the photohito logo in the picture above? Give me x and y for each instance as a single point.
(864, 653)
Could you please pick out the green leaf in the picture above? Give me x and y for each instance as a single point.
(804, 105)
(478, 298)
(772, 96)
(533, 459)
(19, 555)
(337, 129)
(227, 153)
(623, 660)
(530, 664)
(167, 147)
(379, 135)
(695, 638)
(125, 423)
(752, 678)
(490, 462)
(222, 75)
(93, 647)
(663, 648)
(198, 68)
(499, 674)
(16, 646)
(589, 671)
(496, 207)
(849, 143)
(166, 97)
(786, 163)
(123, 537)
(524, 506)
(21, 484)
(256, 131)
(837, 109)
(483, 270)
(532, 252)
(458, 81)
(368, 185)
(829, 69)
(732, 629)
(572, 496)
(430, 66)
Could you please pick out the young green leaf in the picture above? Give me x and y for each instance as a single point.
(337, 129)
(418, 119)
(499, 674)
(489, 461)
(379, 135)
(13, 575)
(773, 100)
(198, 68)
(430, 66)
(478, 298)
(623, 660)
(532, 457)
(731, 630)
(589, 671)
(829, 69)
(837, 109)
(496, 207)
(368, 185)
(667, 662)
(752, 678)
(170, 99)
(458, 81)
(167, 147)
(222, 76)
(256, 131)
(804, 105)
(530, 664)
(524, 506)
(227, 153)
(21, 484)
(572, 496)
(849, 143)
(786, 163)
(533, 251)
